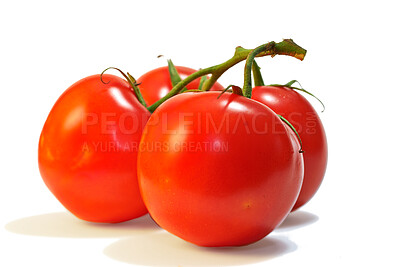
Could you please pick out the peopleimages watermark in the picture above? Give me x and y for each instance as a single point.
(190, 146)
(196, 123)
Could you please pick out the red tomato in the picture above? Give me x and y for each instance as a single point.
(299, 112)
(88, 150)
(156, 83)
(227, 171)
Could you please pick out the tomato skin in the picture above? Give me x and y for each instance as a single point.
(86, 150)
(156, 83)
(300, 113)
(213, 197)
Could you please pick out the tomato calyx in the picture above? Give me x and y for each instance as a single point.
(174, 75)
(258, 81)
(132, 82)
(301, 89)
(294, 130)
(257, 77)
(175, 78)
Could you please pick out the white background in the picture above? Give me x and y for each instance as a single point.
(352, 65)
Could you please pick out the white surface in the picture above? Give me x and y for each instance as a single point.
(352, 65)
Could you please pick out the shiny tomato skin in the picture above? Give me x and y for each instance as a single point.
(300, 113)
(227, 170)
(156, 83)
(87, 150)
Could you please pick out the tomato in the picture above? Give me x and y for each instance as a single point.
(156, 83)
(300, 113)
(218, 171)
(88, 150)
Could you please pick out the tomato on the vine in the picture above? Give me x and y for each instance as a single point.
(218, 170)
(156, 83)
(300, 113)
(88, 149)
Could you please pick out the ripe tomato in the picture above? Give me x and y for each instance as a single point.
(299, 112)
(227, 171)
(156, 83)
(88, 150)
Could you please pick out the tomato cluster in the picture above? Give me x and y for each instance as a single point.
(214, 168)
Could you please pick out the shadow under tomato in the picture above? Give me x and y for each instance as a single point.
(297, 220)
(164, 249)
(64, 224)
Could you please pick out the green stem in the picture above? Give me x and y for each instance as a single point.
(179, 86)
(286, 47)
(249, 62)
